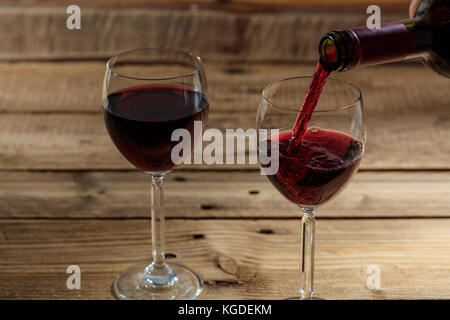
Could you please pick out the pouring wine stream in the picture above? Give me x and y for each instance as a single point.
(307, 108)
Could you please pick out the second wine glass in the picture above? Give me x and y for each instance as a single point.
(329, 154)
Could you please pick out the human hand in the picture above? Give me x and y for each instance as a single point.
(413, 7)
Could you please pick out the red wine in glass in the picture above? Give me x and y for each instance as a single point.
(320, 168)
(140, 121)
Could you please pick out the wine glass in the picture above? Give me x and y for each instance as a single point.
(149, 94)
(329, 154)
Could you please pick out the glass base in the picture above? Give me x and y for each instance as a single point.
(177, 282)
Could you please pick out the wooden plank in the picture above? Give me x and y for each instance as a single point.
(407, 125)
(234, 194)
(40, 32)
(76, 87)
(240, 6)
(80, 142)
(322, 3)
(238, 259)
(399, 7)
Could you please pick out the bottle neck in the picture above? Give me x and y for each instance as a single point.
(346, 49)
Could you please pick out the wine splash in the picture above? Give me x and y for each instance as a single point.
(325, 162)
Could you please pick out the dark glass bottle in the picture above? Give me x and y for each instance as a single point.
(427, 35)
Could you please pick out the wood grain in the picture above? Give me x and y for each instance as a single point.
(40, 32)
(52, 120)
(80, 142)
(233, 194)
(413, 256)
(235, 6)
(75, 87)
(322, 3)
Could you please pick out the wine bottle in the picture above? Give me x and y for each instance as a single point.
(427, 35)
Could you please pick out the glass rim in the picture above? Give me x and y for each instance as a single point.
(339, 108)
(195, 58)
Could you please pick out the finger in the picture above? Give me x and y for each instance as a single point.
(413, 7)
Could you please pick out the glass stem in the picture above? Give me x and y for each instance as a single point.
(158, 273)
(307, 254)
(158, 223)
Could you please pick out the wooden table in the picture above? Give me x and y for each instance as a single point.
(67, 197)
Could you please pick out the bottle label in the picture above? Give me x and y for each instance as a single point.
(374, 46)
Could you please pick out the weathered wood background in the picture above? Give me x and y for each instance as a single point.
(68, 197)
